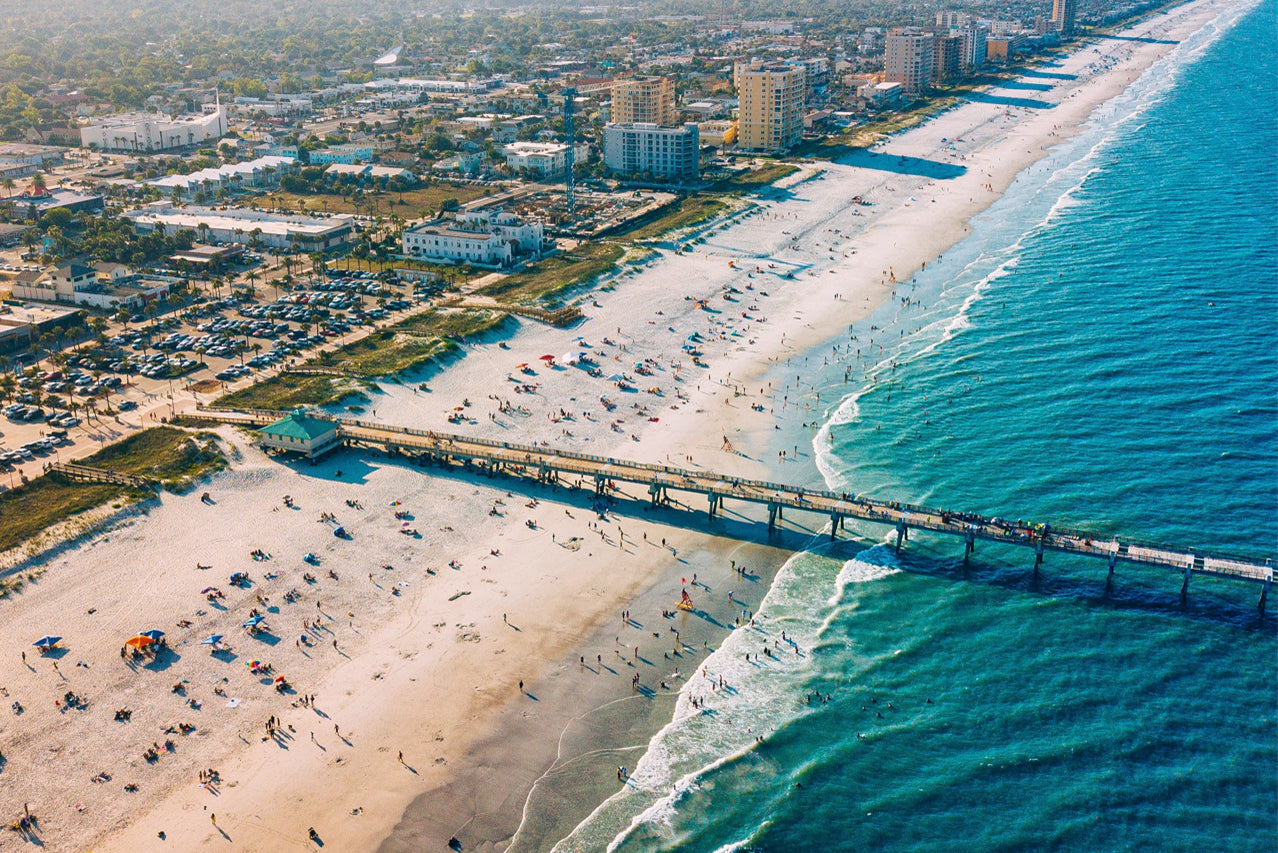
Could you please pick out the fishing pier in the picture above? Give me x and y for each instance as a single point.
(549, 465)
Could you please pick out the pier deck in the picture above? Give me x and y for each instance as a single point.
(549, 464)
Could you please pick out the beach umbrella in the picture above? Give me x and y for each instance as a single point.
(254, 621)
(211, 640)
(547, 358)
(139, 642)
(47, 642)
(521, 366)
(253, 663)
(278, 679)
(154, 634)
(616, 377)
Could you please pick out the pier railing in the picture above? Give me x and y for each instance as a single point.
(543, 460)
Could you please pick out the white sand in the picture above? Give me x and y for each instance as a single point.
(419, 672)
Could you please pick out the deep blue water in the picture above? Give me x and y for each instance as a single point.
(1101, 352)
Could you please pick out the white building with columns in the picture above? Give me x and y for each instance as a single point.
(151, 132)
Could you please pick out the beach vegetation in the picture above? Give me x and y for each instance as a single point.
(543, 280)
(291, 390)
(175, 457)
(405, 345)
(685, 213)
(756, 179)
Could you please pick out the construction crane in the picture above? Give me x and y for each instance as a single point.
(570, 105)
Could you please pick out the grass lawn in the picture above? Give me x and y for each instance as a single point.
(685, 212)
(406, 204)
(551, 275)
(174, 457)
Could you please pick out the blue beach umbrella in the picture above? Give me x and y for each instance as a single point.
(46, 642)
(154, 634)
(211, 640)
(254, 621)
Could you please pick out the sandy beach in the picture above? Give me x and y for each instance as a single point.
(472, 668)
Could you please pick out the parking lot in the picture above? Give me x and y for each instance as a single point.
(138, 370)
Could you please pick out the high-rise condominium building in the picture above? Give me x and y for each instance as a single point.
(646, 100)
(1063, 12)
(666, 153)
(908, 61)
(770, 105)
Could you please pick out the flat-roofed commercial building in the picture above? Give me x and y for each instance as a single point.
(234, 225)
(541, 159)
(142, 132)
(771, 105)
(665, 153)
(649, 100)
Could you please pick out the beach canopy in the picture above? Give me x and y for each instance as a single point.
(47, 642)
(211, 640)
(254, 621)
(139, 642)
(154, 634)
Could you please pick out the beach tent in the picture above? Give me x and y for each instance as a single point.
(139, 642)
(46, 642)
(211, 640)
(154, 634)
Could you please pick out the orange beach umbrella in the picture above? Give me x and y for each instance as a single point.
(139, 642)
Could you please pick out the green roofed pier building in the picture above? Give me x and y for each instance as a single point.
(301, 433)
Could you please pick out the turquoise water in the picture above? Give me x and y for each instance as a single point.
(1102, 352)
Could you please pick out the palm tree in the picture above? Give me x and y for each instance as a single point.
(8, 185)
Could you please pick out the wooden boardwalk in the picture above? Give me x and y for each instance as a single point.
(89, 474)
(549, 465)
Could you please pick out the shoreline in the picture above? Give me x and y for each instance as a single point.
(445, 665)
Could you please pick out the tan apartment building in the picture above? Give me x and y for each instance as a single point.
(770, 105)
(644, 100)
(909, 61)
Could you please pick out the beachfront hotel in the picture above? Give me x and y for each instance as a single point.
(771, 96)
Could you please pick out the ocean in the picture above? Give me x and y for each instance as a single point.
(1101, 352)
